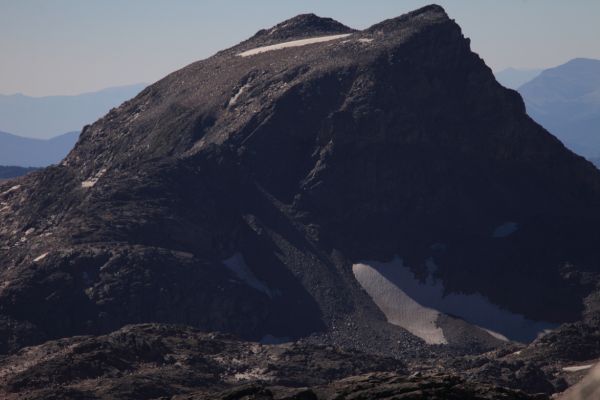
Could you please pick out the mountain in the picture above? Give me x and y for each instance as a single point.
(43, 117)
(513, 78)
(566, 101)
(28, 152)
(376, 191)
(12, 171)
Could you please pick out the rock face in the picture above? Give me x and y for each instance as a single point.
(235, 195)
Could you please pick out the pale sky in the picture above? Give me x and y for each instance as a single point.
(50, 47)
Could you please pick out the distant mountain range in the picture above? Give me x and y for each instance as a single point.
(44, 117)
(513, 78)
(566, 101)
(35, 121)
(28, 152)
(7, 172)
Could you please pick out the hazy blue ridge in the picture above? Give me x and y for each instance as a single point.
(44, 117)
(513, 78)
(28, 152)
(566, 101)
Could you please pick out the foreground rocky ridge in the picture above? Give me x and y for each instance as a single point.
(158, 361)
(236, 194)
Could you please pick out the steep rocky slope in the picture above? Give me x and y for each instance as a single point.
(237, 194)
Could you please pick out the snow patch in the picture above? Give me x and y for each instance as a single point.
(365, 40)
(576, 368)
(399, 308)
(253, 374)
(293, 43)
(586, 389)
(235, 98)
(238, 266)
(12, 189)
(40, 258)
(89, 183)
(504, 230)
(497, 335)
(415, 305)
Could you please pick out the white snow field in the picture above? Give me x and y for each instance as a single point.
(91, 182)
(238, 266)
(293, 43)
(576, 368)
(586, 389)
(235, 98)
(12, 189)
(40, 257)
(399, 308)
(415, 305)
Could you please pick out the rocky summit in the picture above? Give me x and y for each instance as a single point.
(374, 191)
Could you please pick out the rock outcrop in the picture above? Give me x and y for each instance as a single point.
(159, 361)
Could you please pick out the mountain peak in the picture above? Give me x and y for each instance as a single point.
(430, 14)
(583, 60)
(429, 9)
(302, 25)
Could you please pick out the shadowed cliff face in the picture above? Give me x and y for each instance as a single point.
(392, 141)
